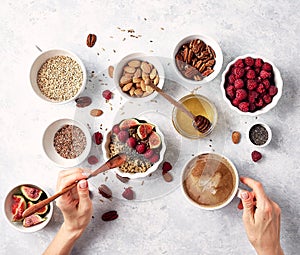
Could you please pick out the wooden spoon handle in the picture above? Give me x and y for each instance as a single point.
(34, 208)
(172, 101)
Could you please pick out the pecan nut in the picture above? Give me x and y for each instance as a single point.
(82, 102)
(105, 191)
(110, 215)
(91, 40)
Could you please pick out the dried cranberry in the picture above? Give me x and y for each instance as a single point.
(97, 137)
(107, 94)
(128, 193)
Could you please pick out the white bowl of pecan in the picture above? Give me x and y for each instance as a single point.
(58, 76)
(133, 74)
(141, 141)
(197, 59)
(67, 142)
(251, 85)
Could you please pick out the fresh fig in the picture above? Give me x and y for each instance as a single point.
(31, 193)
(154, 140)
(18, 206)
(144, 130)
(32, 220)
(41, 211)
(128, 123)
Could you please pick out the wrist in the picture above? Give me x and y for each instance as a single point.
(72, 233)
(274, 251)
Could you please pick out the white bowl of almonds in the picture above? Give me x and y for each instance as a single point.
(133, 74)
(58, 76)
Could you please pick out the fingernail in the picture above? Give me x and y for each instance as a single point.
(82, 184)
(245, 195)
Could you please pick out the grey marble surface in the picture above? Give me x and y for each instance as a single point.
(165, 224)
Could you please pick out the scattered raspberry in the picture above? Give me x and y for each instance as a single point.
(128, 193)
(140, 148)
(116, 129)
(256, 155)
(244, 106)
(107, 94)
(131, 142)
(266, 83)
(154, 158)
(149, 153)
(251, 74)
(259, 103)
(258, 62)
(230, 90)
(239, 72)
(251, 84)
(92, 160)
(123, 136)
(273, 90)
(239, 83)
(97, 138)
(249, 61)
(241, 94)
(264, 74)
(261, 89)
(166, 167)
(239, 63)
(231, 79)
(267, 67)
(267, 98)
(236, 102)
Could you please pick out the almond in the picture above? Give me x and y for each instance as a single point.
(146, 68)
(129, 69)
(110, 71)
(236, 137)
(134, 63)
(127, 87)
(96, 112)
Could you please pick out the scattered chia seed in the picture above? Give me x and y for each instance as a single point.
(258, 135)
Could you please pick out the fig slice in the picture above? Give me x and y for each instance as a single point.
(128, 123)
(144, 130)
(41, 211)
(154, 140)
(32, 220)
(31, 193)
(18, 206)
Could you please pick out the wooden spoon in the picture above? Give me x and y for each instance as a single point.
(113, 162)
(201, 123)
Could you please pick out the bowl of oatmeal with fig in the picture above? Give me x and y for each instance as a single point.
(67, 142)
(141, 141)
(58, 76)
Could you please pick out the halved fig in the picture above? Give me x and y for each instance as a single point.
(128, 123)
(31, 193)
(18, 206)
(32, 220)
(154, 140)
(144, 130)
(41, 211)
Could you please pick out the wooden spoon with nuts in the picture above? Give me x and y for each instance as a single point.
(201, 123)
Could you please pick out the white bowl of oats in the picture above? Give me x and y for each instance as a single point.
(58, 76)
(141, 141)
(67, 143)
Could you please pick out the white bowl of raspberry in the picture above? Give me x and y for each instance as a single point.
(141, 141)
(251, 85)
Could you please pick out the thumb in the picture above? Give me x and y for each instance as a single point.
(247, 200)
(83, 193)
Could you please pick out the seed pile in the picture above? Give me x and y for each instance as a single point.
(69, 141)
(60, 78)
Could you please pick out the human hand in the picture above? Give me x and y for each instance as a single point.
(76, 205)
(261, 219)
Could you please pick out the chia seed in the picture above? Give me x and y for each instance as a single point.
(258, 134)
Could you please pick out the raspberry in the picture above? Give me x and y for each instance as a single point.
(267, 98)
(247, 68)
(256, 155)
(239, 72)
(267, 67)
(131, 142)
(251, 74)
(231, 79)
(116, 129)
(258, 62)
(266, 83)
(239, 63)
(241, 94)
(239, 83)
(154, 158)
(107, 94)
(252, 95)
(140, 148)
(97, 138)
(249, 61)
(257, 70)
(251, 84)
(259, 102)
(252, 107)
(230, 90)
(236, 102)
(166, 167)
(148, 153)
(261, 89)
(264, 74)
(244, 106)
(123, 136)
(273, 90)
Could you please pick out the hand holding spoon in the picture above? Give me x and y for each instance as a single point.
(201, 123)
(113, 162)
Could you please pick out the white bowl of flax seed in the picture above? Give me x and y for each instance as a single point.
(58, 76)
